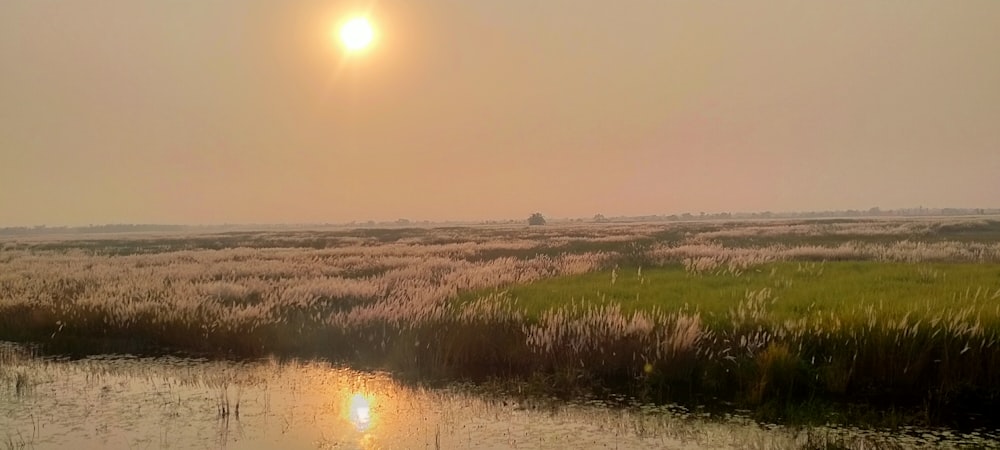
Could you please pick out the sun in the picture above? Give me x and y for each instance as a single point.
(357, 34)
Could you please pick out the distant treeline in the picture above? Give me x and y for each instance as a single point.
(849, 213)
(113, 228)
(872, 212)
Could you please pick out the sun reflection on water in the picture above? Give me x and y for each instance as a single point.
(360, 412)
(316, 405)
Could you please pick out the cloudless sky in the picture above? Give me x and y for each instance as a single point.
(238, 111)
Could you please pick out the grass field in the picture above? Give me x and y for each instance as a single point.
(795, 289)
(888, 313)
(854, 331)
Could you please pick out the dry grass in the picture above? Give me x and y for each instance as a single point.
(392, 299)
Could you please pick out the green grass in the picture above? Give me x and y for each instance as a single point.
(842, 288)
(921, 337)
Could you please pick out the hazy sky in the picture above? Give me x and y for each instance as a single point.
(213, 111)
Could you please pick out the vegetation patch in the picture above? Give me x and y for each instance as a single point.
(891, 334)
(659, 312)
(844, 290)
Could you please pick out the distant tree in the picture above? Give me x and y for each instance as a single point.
(536, 219)
(600, 218)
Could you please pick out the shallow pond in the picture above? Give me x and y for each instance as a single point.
(169, 402)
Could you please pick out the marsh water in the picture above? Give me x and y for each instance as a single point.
(121, 401)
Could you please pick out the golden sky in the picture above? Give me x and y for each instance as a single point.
(226, 111)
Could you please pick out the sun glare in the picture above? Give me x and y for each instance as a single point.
(360, 412)
(357, 34)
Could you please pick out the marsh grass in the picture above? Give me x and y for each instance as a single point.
(844, 289)
(913, 336)
(665, 313)
(13, 376)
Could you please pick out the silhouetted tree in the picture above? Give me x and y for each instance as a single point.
(536, 219)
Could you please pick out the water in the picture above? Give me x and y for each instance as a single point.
(169, 402)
